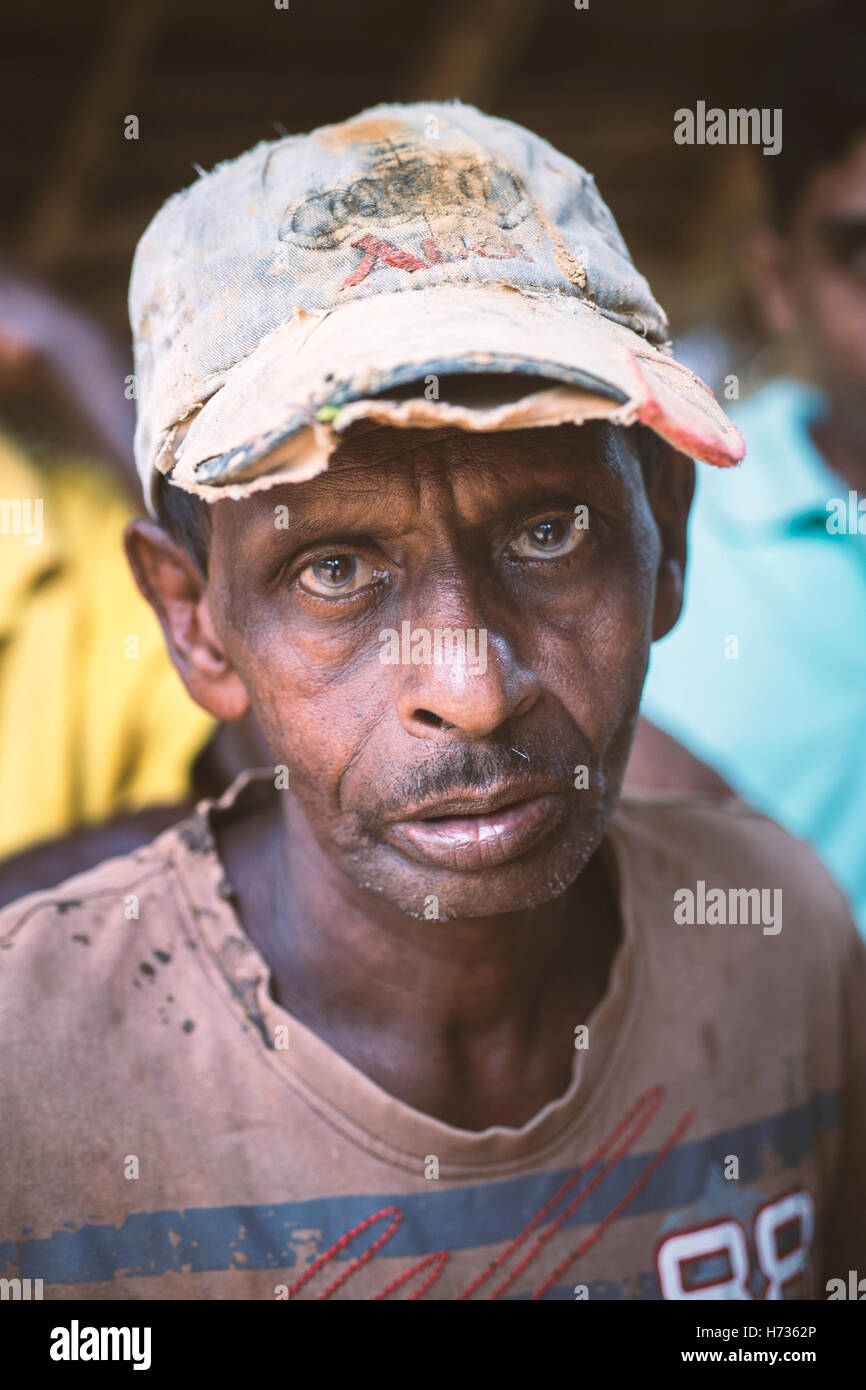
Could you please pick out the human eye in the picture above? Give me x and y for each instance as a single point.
(548, 537)
(338, 574)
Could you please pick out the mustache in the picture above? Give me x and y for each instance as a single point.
(457, 768)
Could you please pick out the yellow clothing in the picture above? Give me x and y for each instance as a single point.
(95, 721)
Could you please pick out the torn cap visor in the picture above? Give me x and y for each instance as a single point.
(234, 444)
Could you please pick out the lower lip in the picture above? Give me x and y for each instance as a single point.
(479, 842)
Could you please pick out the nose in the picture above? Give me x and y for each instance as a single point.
(461, 680)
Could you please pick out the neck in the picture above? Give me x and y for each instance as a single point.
(472, 1021)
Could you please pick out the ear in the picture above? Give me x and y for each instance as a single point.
(177, 591)
(670, 497)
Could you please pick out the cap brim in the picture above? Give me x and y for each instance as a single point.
(236, 442)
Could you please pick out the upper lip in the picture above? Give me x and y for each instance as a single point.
(482, 803)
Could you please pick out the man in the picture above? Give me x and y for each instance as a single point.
(765, 677)
(420, 1011)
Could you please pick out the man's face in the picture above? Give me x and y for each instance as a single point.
(817, 281)
(527, 563)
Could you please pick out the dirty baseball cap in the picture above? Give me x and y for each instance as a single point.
(283, 295)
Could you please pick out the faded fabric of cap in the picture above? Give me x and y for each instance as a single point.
(279, 297)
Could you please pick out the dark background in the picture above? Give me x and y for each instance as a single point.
(208, 79)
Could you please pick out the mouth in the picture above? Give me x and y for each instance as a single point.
(474, 832)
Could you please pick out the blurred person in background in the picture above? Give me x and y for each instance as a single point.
(764, 678)
(96, 726)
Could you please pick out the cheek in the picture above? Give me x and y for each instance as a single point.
(316, 700)
(835, 309)
(592, 651)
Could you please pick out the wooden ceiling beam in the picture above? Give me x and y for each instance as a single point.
(108, 95)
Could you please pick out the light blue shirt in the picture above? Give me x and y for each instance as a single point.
(764, 676)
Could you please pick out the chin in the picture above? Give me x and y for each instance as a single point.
(528, 881)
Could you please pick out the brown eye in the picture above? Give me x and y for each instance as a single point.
(554, 536)
(335, 575)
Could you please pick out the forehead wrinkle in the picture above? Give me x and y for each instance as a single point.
(434, 482)
(381, 442)
(493, 455)
(355, 494)
(440, 473)
(481, 488)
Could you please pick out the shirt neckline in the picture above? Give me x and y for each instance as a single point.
(344, 1096)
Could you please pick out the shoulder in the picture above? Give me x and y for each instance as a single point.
(69, 942)
(722, 834)
(678, 842)
(136, 907)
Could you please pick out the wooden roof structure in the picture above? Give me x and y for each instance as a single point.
(208, 78)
